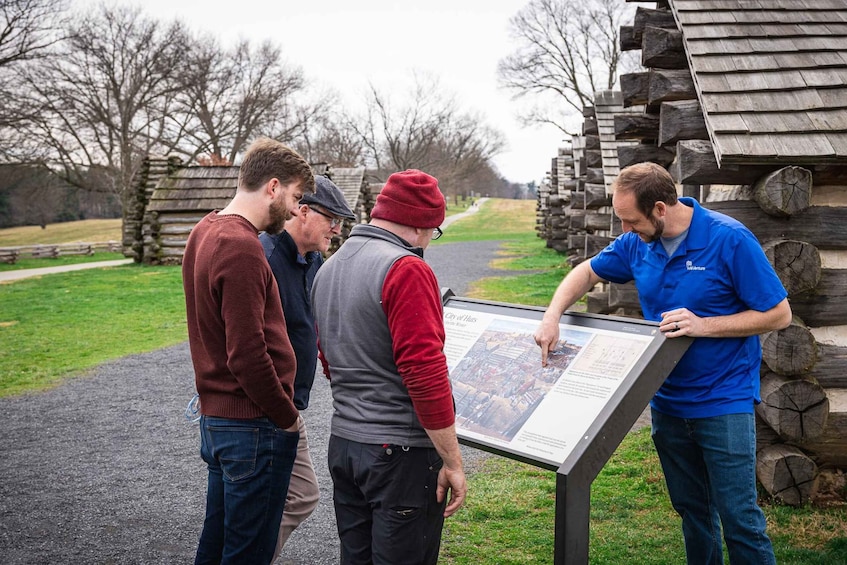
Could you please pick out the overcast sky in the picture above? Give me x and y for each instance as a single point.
(346, 44)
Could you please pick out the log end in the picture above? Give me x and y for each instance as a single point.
(787, 474)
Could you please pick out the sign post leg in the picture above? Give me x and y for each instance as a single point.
(573, 504)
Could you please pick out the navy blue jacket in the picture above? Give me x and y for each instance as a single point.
(294, 275)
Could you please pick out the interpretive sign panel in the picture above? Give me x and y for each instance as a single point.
(507, 402)
(569, 416)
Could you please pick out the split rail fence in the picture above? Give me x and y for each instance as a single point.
(11, 255)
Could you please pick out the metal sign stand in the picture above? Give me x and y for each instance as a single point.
(608, 429)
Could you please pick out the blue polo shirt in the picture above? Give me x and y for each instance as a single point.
(294, 276)
(719, 269)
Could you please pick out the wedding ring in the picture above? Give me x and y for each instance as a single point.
(676, 327)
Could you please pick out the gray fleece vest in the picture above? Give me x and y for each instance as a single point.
(371, 404)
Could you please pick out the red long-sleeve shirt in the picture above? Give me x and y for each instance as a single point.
(417, 330)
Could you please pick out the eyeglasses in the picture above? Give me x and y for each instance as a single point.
(436, 233)
(333, 222)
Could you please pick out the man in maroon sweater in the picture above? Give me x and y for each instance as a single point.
(244, 365)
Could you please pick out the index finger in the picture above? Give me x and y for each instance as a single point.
(545, 348)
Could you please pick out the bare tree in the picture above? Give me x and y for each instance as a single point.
(102, 99)
(430, 133)
(567, 51)
(331, 136)
(28, 28)
(465, 151)
(399, 138)
(228, 97)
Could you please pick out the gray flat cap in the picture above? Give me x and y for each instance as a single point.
(330, 197)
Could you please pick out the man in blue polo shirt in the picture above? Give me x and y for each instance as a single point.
(701, 274)
(295, 254)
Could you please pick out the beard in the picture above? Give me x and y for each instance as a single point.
(659, 229)
(279, 214)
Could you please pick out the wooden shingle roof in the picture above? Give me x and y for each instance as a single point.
(771, 76)
(211, 188)
(195, 188)
(349, 180)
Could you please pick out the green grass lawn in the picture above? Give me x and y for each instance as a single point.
(510, 511)
(60, 325)
(497, 219)
(86, 231)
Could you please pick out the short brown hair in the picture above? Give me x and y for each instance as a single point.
(649, 182)
(266, 159)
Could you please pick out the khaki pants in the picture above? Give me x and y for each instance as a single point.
(303, 493)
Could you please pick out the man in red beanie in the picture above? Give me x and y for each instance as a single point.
(393, 452)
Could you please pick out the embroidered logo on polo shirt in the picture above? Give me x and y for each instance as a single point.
(691, 267)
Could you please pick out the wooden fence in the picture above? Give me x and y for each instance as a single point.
(12, 254)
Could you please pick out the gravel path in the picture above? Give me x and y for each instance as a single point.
(105, 469)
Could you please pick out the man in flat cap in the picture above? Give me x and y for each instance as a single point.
(295, 255)
(393, 453)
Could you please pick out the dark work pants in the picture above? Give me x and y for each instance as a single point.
(385, 503)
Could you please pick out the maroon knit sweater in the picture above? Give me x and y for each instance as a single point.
(243, 361)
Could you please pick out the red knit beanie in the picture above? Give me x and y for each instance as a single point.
(411, 198)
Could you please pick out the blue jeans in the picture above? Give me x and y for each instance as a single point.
(385, 505)
(250, 465)
(710, 469)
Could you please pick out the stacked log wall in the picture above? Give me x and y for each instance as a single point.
(799, 216)
(151, 171)
(542, 197)
(551, 223)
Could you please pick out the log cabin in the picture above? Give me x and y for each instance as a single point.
(745, 103)
(169, 199)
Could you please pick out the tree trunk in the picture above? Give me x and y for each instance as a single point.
(785, 192)
(787, 474)
(663, 49)
(588, 245)
(765, 435)
(790, 351)
(635, 88)
(826, 305)
(624, 296)
(592, 142)
(597, 302)
(696, 164)
(636, 126)
(591, 222)
(831, 448)
(825, 227)
(646, 17)
(628, 41)
(797, 263)
(797, 409)
(669, 85)
(631, 154)
(594, 175)
(681, 120)
(829, 370)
